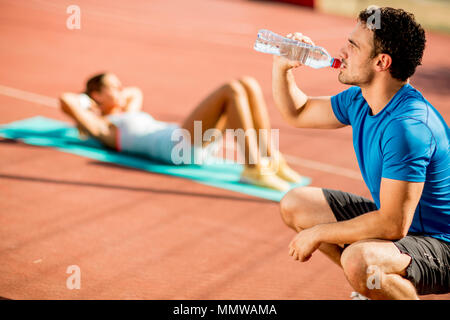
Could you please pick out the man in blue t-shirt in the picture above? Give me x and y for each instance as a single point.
(398, 245)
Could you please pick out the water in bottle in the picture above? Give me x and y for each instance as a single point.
(309, 55)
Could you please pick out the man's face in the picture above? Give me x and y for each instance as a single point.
(356, 55)
(110, 96)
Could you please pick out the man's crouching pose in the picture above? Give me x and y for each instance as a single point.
(402, 146)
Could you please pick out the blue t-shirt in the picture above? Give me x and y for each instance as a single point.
(407, 140)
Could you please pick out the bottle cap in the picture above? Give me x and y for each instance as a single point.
(336, 63)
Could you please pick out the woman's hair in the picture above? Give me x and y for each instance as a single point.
(95, 83)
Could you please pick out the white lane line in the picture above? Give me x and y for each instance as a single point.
(349, 173)
(53, 103)
(29, 96)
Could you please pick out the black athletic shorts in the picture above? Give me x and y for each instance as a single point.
(429, 269)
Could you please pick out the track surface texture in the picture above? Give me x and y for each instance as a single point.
(138, 235)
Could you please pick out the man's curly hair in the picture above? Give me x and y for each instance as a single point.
(399, 36)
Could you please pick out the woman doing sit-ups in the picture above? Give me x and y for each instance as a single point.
(112, 114)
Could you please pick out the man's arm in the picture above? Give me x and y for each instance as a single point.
(398, 199)
(295, 106)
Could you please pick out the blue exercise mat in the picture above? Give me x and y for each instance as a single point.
(41, 131)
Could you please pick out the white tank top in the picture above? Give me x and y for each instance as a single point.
(140, 133)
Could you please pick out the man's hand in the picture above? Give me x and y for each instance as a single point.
(304, 244)
(285, 64)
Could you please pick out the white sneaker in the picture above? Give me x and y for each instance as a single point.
(282, 169)
(264, 178)
(358, 296)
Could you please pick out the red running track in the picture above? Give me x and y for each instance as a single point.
(137, 235)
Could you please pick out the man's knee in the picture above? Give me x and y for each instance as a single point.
(360, 261)
(293, 206)
(305, 207)
(288, 206)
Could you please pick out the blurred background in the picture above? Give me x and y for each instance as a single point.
(431, 14)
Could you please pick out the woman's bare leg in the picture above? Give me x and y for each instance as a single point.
(261, 120)
(229, 104)
(229, 107)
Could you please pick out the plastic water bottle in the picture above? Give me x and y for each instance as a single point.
(309, 55)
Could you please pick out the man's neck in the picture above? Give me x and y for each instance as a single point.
(380, 92)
